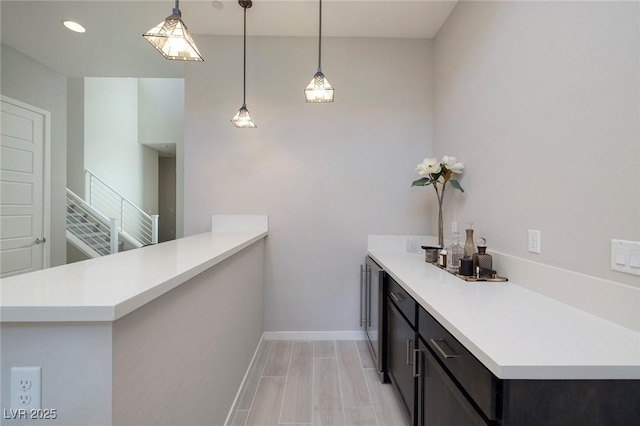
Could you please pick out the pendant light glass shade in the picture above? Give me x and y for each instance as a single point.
(172, 39)
(319, 90)
(242, 119)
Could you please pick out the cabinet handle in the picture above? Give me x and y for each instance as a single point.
(367, 305)
(434, 342)
(416, 361)
(409, 351)
(362, 319)
(395, 297)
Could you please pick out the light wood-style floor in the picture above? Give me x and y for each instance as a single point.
(316, 383)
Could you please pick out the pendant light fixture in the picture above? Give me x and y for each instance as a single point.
(319, 90)
(242, 119)
(172, 39)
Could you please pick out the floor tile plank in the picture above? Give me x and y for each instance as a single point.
(324, 349)
(352, 381)
(365, 354)
(239, 418)
(360, 416)
(330, 374)
(279, 358)
(297, 404)
(251, 384)
(265, 410)
(327, 403)
(388, 408)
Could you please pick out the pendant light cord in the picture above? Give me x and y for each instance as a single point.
(319, 38)
(244, 60)
(176, 9)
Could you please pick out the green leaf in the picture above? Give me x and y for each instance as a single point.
(456, 184)
(422, 182)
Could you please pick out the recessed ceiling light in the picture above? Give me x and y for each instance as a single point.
(74, 26)
(217, 4)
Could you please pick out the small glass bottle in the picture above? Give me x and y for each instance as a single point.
(442, 258)
(469, 248)
(454, 253)
(485, 260)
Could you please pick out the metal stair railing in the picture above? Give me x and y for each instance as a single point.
(134, 222)
(90, 227)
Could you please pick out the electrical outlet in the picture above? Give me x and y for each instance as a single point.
(24, 383)
(25, 387)
(534, 241)
(24, 399)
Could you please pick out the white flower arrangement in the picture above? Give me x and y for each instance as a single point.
(438, 174)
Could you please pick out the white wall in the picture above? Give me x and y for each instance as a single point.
(327, 175)
(31, 82)
(112, 151)
(160, 110)
(541, 101)
(76, 369)
(75, 135)
(160, 122)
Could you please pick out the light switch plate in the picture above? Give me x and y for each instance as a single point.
(625, 256)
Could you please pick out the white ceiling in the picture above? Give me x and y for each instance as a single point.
(113, 45)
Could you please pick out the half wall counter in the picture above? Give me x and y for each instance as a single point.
(119, 337)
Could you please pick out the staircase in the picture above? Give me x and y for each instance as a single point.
(106, 222)
(87, 230)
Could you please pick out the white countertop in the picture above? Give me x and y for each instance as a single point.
(110, 287)
(514, 332)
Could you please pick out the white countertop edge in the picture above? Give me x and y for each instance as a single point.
(519, 372)
(109, 313)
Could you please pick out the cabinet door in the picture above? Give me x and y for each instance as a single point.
(401, 340)
(441, 402)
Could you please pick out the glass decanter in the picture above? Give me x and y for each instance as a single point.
(454, 253)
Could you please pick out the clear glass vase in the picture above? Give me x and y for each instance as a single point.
(440, 226)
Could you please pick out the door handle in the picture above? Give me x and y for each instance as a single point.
(396, 298)
(435, 343)
(409, 351)
(416, 361)
(362, 317)
(40, 240)
(367, 304)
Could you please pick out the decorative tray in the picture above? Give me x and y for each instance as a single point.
(473, 279)
(494, 279)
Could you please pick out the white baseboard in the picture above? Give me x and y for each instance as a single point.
(314, 335)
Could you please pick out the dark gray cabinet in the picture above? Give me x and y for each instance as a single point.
(455, 389)
(440, 401)
(401, 340)
(442, 384)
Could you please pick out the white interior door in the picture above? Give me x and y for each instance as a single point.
(22, 188)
